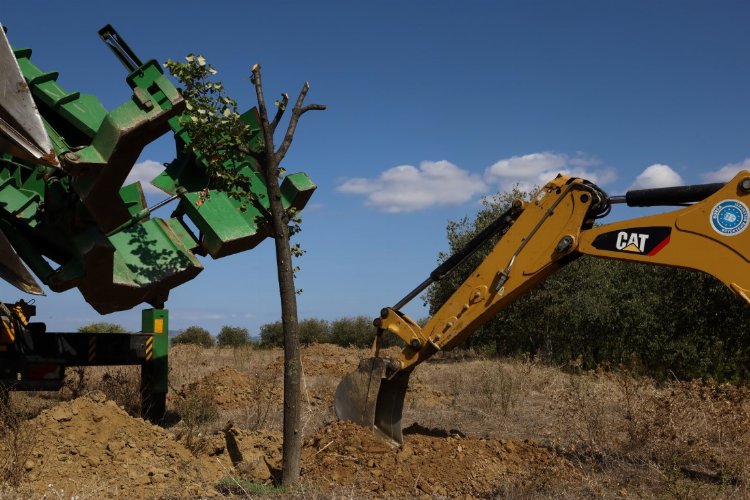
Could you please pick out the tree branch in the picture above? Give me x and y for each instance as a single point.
(297, 111)
(267, 132)
(280, 112)
(312, 107)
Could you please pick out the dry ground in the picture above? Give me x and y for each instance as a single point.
(473, 428)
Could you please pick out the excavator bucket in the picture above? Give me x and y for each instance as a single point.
(366, 397)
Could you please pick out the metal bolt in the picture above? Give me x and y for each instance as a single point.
(377, 322)
(71, 156)
(564, 244)
(584, 198)
(745, 185)
(384, 312)
(415, 343)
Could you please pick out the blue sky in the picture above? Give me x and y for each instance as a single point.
(432, 105)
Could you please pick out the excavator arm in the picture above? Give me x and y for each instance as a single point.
(538, 238)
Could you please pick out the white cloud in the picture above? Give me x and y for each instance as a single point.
(655, 176)
(725, 173)
(145, 171)
(536, 169)
(407, 188)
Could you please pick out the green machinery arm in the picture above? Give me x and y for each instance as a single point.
(538, 238)
(64, 211)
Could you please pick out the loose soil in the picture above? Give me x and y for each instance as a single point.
(93, 446)
(90, 446)
(430, 462)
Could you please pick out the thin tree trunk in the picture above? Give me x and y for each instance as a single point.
(292, 445)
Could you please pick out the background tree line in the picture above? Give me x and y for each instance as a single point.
(354, 331)
(666, 322)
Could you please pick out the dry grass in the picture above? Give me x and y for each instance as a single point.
(18, 440)
(628, 436)
(682, 439)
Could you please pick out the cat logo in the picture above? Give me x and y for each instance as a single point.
(631, 242)
(641, 240)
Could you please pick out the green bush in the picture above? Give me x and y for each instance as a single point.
(103, 328)
(353, 331)
(194, 335)
(314, 331)
(272, 334)
(311, 331)
(232, 336)
(350, 331)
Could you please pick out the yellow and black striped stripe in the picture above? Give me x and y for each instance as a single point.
(9, 331)
(149, 348)
(20, 315)
(92, 348)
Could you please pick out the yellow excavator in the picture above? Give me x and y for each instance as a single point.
(538, 237)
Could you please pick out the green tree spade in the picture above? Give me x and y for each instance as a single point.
(220, 137)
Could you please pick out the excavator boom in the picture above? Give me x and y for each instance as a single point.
(537, 238)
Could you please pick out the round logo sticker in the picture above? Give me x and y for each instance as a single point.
(729, 217)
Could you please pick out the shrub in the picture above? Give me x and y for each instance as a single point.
(353, 331)
(194, 335)
(233, 336)
(272, 334)
(314, 331)
(19, 440)
(103, 328)
(311, 331)
(197, 411)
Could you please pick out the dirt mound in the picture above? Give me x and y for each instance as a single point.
(344, 454)
(232, 389)
(255, 455)
(93, 446)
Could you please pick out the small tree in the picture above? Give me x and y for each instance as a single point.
(221, 138)
(232, 336)
(355, 331)
(194, 335)
(314, 331)
(102, 328)
(272, 334)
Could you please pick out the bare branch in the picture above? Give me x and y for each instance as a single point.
(297, 111)
(280, 112)
(267, 132)
(312, 107)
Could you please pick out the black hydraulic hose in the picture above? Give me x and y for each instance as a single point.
(495, 227)
(678, 195)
